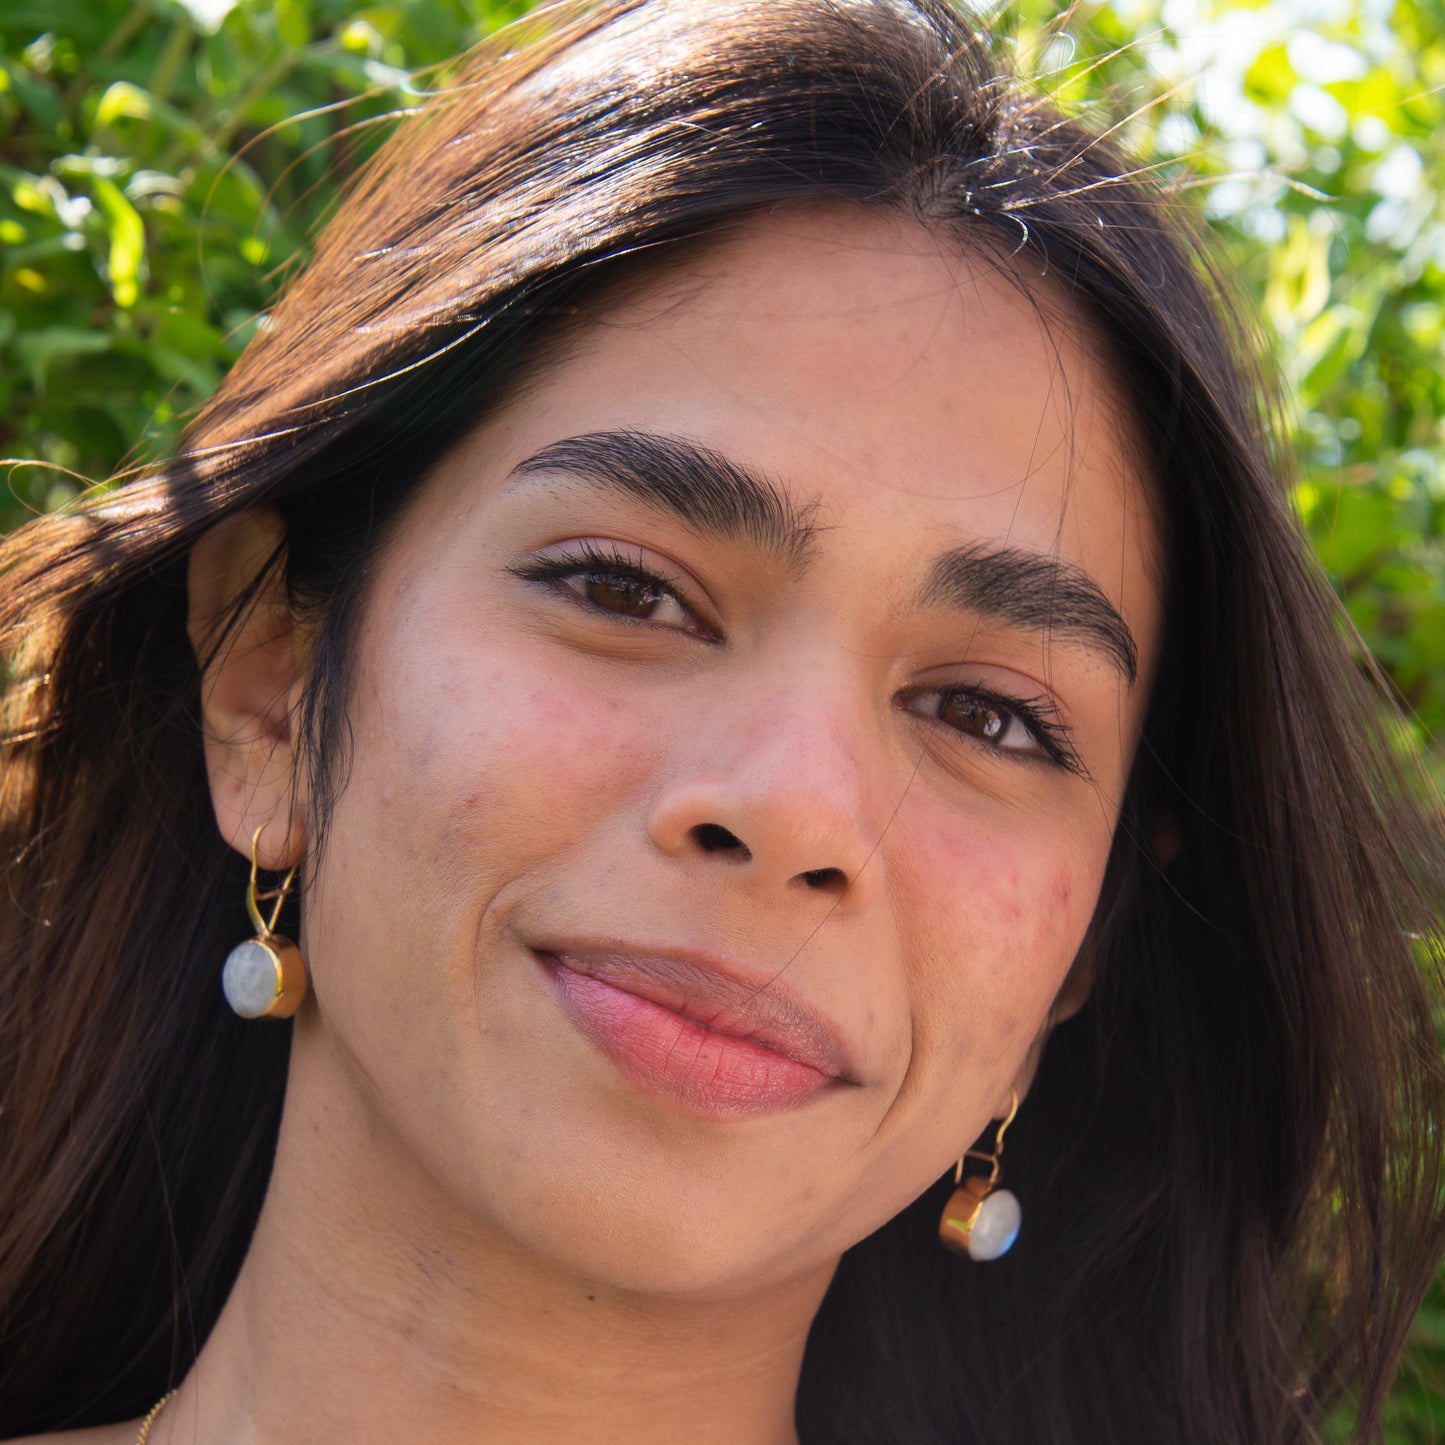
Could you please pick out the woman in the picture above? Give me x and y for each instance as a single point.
(748, 586)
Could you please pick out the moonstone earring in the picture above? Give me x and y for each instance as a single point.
(981, 1220)
(265, 977)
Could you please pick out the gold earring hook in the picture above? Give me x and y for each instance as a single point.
(265, 929)
(993, 1159)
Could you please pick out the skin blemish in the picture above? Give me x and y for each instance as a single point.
(1063, 888)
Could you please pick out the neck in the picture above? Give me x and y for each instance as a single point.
(371, 1307)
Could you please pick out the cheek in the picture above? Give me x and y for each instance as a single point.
(500, 746)
(998, 913)
(475, 760)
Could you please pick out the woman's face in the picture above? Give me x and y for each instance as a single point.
(741, 717)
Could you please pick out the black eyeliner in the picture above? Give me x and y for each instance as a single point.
(591, 560)
(1042, 720)
(1038, 716)
(587, 558)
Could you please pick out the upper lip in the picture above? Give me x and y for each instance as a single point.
(713, 992)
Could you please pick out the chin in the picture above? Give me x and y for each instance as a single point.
(660, 1241)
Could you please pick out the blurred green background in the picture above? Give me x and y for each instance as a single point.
(163, 164)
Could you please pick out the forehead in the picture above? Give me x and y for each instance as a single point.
(914, 389)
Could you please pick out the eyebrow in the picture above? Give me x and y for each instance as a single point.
(707, 490)
(1029, 590)
(720, 497)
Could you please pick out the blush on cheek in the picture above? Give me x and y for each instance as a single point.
(1006, 909)
(530, 744)
(975, 887)
(576, 739)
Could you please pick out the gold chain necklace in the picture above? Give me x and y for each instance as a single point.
(145, 1425)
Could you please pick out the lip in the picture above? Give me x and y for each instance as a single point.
(712, 1038)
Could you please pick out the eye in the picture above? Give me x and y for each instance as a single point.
(627, 593)
(607, 581)
(1005, 724)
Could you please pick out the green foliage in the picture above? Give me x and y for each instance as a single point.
(1314, 132)
(163, 164)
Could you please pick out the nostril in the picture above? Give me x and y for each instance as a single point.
(713, 838)
(827, 880)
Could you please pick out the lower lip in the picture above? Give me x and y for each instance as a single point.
(701, 1071)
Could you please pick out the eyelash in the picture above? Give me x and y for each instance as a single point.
(1038, 715)
(597, 562)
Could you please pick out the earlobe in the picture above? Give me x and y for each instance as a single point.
(1071, 997)
(1077, 985)
(246, 644)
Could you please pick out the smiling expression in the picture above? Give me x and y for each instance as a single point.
(741, 717)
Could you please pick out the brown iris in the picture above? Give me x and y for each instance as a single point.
(621, 593)
(972, 715)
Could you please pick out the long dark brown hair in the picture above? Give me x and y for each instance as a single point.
(1230, 1160)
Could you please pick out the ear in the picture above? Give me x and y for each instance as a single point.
(1168, 837)
(1067, 1002)
(249, 685)
(1168, 842)
(1078, 983)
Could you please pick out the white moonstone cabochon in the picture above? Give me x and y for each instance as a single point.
(250, 978)
(995, 1226)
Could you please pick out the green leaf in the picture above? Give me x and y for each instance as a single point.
(39, 97)
(122, 99)
(39, 350)
(1361, 528)
(292, 23)
(127, 241)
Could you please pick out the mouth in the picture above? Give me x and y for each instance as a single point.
(695, 1030)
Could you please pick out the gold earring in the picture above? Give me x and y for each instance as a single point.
(265, 977)
(981, 1220)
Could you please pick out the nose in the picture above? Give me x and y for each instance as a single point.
(776, 792)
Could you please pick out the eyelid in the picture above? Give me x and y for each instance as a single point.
(1039, 716)
(557, 559)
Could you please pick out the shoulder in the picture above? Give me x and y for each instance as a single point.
(123, 1433)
